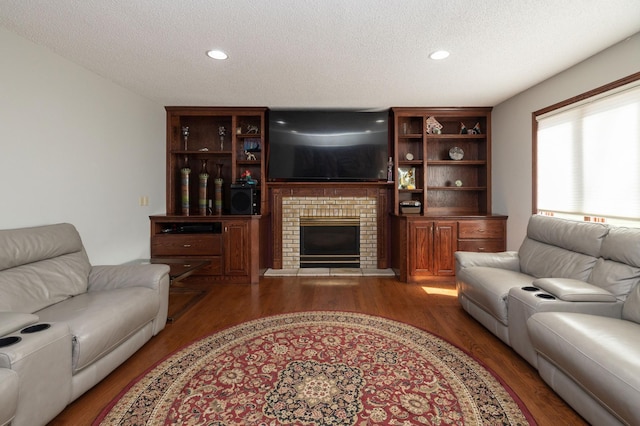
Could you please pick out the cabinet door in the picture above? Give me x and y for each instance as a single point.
(421, 248)
(445, 245)
(236, 248)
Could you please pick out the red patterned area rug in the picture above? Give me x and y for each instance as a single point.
(318, 368)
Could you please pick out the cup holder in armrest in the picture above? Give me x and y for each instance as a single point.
(530, 288)
(10, 340)
(545, 296)
(35, 328)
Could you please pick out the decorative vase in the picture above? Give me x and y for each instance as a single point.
(204, 179)
(184, 172)
(217, 189)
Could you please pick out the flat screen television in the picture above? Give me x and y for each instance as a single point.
(328, 145)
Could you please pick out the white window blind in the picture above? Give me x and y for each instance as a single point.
(588, 157)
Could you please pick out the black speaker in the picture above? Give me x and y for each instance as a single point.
(244, 199)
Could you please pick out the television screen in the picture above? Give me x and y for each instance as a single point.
(339, 145)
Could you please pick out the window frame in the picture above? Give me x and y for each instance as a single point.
(597, 92)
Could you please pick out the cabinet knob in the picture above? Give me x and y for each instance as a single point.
(187, 245)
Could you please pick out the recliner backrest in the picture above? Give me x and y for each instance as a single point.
(618, 269)
(41, 266)
(560, 248)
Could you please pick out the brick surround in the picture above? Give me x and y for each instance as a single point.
(363, 207)
(366, 200)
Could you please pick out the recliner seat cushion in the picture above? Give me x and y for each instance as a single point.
(490, 288)
(599, 353)
(100, 321)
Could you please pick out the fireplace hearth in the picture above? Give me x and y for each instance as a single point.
(329, 242)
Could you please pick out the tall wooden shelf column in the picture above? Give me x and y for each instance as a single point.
(226, 142)
(454, 194)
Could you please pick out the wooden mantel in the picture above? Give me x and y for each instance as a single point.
(378, 190)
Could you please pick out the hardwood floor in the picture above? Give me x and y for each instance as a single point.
(432, 306)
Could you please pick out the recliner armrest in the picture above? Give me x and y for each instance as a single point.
(503, 260)
(14, 321)
(571, 290)
(106, 277)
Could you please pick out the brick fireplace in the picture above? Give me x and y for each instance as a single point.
(367, 202)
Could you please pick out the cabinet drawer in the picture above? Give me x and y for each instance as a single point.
(186, 245)
(481, 229)
(491, 246)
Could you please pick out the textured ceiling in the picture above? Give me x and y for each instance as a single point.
(324, 53)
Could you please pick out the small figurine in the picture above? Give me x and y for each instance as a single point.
(246, 175)
(250, 156)
(433, 127)
(222, 131)
(252, 129)
(185, 135)
(476, 130)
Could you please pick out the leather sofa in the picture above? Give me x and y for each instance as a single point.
(65, 324)
(592, 361)
(563, 269)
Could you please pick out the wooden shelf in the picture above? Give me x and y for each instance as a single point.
(208, 128)
(434, 169)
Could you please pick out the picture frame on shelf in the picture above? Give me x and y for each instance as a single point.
(406, 178)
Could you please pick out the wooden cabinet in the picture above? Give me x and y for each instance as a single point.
(425, 171)
(224, 142)
(230, 244)
(208, 150)
(424, 247)
(442, 162)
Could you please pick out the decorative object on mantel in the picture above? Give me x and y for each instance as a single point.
(432, 126)
(321, 368)
(456, 153)
(204, 179)
(222, 131)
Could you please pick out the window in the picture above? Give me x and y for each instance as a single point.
(587, 156)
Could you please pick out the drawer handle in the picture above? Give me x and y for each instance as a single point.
(187, 245)
(187, 265)
(480, 248)
(481, 230)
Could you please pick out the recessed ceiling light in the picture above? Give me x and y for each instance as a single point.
(439, 54)
(217, 54)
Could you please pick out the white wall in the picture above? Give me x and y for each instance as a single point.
(77, 148)
(512, 127)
